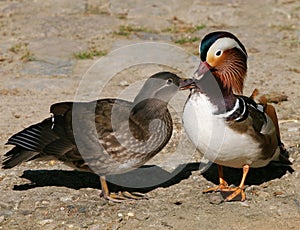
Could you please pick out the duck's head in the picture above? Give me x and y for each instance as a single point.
(160, 86)
(225, 57)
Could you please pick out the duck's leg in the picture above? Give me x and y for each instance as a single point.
(222, 183)
(240, 189)
(121, 196)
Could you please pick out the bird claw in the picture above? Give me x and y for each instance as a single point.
(229, 193)
(124, 196)
(134, 195)
(237, 194)
(218, 188)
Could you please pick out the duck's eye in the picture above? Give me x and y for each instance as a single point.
(170, 81)
(218, 53)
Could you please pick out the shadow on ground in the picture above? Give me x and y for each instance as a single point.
(146, 178)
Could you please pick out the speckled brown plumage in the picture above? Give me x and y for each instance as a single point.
(107, 136)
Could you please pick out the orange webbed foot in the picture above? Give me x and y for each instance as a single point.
(218, 188)
(230, 193)
(236, 194)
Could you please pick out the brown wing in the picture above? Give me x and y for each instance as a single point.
(71, 128)
(268, 109)
(271, 112)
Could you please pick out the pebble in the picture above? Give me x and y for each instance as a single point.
(124, 83)
(130, 214)
(245, 204)
(27, 212)
(45, 202)
(44, 222)
(17, 116)
(215, 198)
(82, 210)
(65, 198)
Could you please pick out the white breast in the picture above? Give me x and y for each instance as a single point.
(211, 135)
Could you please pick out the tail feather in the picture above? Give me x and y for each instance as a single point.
(16, 156)
(283, 157)
(45, 140)
(35, 137)
(29, 143)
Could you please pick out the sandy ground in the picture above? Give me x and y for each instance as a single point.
(47, 46)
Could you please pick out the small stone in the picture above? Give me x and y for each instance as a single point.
(279, 194)
(120, 215)
(65, 199)
(245, 204)
(215, 198)
(26, 212)
(37, 204)
(130, 214)
(45, 202)
(82, 210)
(44, 222)
(124, 83)
(17, 116)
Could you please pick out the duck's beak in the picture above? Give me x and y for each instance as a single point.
(187, 83)
(202, 69)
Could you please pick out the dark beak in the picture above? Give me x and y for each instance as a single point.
(187, 83)
(202, 69)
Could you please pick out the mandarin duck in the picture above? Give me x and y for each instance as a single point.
(107, 136)
(228, 128)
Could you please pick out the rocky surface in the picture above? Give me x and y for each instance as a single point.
(46, 48)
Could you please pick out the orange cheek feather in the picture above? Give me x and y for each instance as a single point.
(214, 61)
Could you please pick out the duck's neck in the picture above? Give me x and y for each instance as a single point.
(144, 112)
(149, 109)
(220, 96)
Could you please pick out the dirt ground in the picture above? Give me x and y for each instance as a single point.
(46, 47)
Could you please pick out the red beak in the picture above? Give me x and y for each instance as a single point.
(186, 83)
(202, 69)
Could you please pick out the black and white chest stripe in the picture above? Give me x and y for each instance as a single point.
(240, 111)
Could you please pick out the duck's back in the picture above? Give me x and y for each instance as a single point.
(98, 136)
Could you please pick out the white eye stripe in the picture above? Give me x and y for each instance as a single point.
(223, 44)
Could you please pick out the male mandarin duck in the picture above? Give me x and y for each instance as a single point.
(107, 136)
(229, 128)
